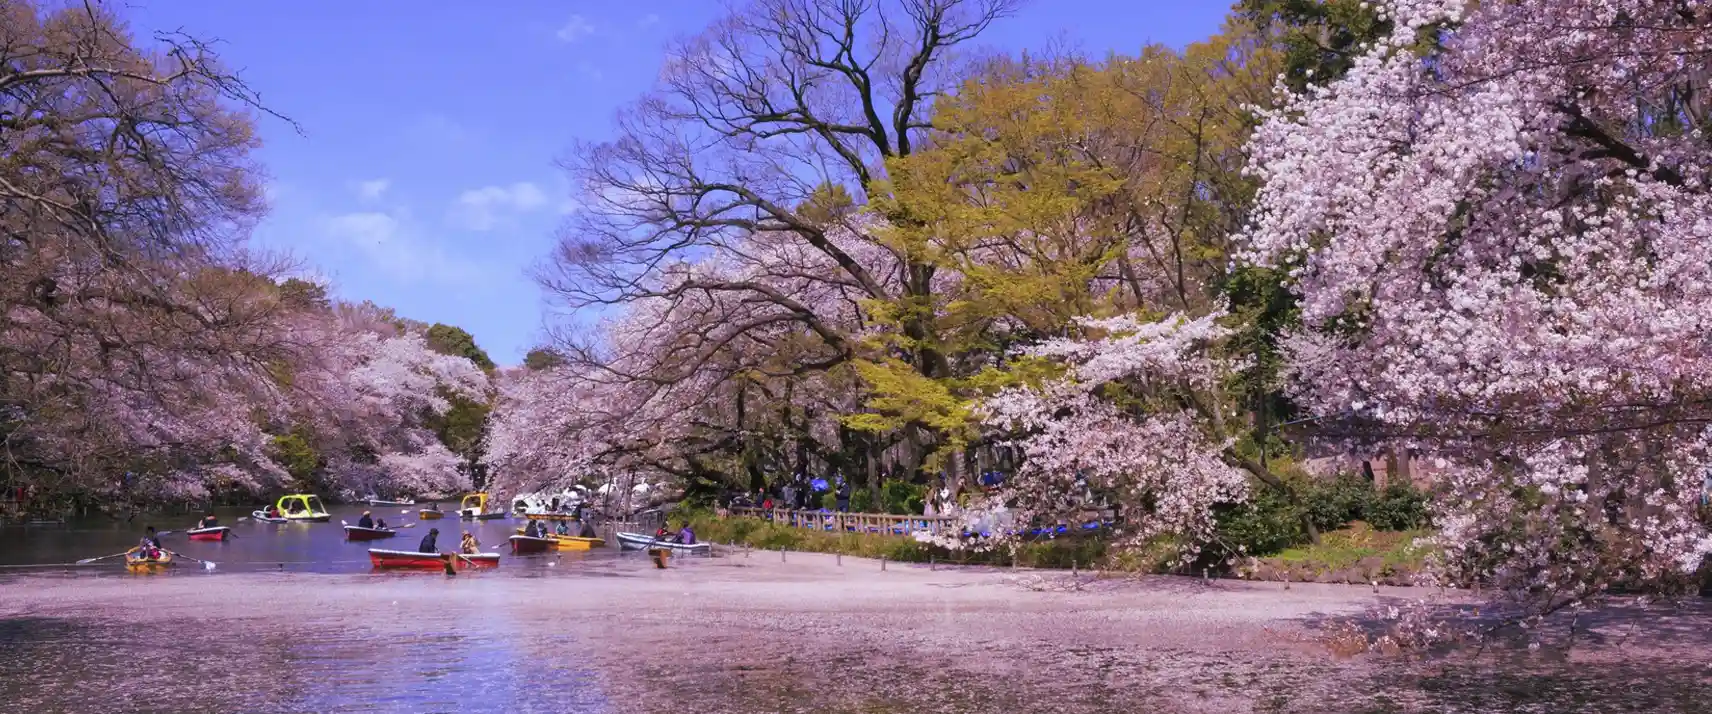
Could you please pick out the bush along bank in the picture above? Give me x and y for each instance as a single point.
(1367, 535)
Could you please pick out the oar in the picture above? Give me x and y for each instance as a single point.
(87, 561)
(206, 564)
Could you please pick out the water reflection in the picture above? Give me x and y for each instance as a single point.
(263, 642)
(292, 620)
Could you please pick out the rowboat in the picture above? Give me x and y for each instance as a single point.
(265, 518)
(303, 507)
(570, 542)
(361, 533)
(383, 502)
(428, 514)
(526, 545)
(637, 541)
(409, 560)
(136, 563)
(547, 516)
(215, 533)
(578, 543)
(474, 508)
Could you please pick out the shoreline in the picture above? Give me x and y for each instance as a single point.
(747, 633)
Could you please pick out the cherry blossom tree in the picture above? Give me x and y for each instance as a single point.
(1502, 254)
(1112, 432)
(367, 390)
(134, 327)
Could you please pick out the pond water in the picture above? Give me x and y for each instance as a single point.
(291, 619)
(304, 547)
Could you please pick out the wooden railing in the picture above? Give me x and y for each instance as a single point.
(853, 522)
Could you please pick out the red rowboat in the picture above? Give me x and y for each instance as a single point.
(361, 533)
(217, 533)
(524, 545)
(407, 560)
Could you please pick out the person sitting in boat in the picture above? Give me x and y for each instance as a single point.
(535, 529)
(427, 545)
(435, 507)
(469, 545)
(208, 521)
(367, 521)
(686, 536)
(380, 524)
(665, 534)
(273, 511)
(150, 546)
(562, 528)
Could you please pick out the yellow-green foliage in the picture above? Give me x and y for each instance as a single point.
(1056, 189)
(1339, 549)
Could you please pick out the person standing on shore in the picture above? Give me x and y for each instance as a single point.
(843, 496)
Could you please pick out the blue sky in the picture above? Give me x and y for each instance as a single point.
(424, 177)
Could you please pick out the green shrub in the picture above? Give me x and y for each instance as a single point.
(1267, 523)
(903, 498)
(1333, 502)
(861, 501)
(1399, 508)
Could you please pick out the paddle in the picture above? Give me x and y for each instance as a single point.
(206, 564)
(87, 561)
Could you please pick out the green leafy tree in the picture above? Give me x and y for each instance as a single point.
(449, 340)
(542, 358)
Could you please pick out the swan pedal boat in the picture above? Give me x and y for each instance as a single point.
(301, 507)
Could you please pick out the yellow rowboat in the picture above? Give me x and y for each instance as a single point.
(550, 516)
(136, 563)
(568, 542)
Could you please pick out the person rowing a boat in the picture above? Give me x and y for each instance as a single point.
(427, 545)
(665, 534)
(150, 546)
(562, 527)
(469, 545)
(273, 511)
(686, 536)
(367, 521)
(535, 529)
(208, 521)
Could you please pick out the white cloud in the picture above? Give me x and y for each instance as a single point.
(387, 242)
(373, 189)
(483, 209)
(575, 29)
